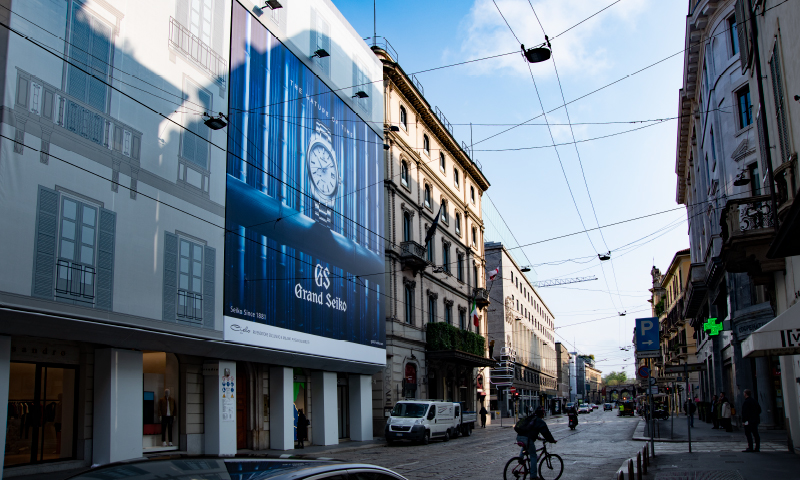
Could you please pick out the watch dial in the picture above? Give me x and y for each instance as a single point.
(322, 168)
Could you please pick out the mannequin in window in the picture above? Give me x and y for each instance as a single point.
(168, 411)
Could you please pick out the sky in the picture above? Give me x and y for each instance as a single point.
(548, 192)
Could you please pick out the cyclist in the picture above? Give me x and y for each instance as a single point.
(529, 430)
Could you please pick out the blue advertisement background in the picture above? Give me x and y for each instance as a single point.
(274, 247)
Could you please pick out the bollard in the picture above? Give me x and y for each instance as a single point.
(645, 460)
(630, 469)
(639, 466)
(620, 475)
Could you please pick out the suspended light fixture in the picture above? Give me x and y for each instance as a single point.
(604, 256)
(321, 53)
(741, 179)
(273, 4)
(537, 54)
(360, 94)
(215, 123)
(525, 269)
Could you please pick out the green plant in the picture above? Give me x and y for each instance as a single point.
(443, 336)
(660, 308)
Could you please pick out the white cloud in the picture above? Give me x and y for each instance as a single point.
(485, 33)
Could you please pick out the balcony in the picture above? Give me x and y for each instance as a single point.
(481, 296)
(190, 46)
(695, 290)
(785, 243)
(748, 228)
(412, 255)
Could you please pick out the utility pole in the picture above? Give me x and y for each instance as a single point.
(689, 402)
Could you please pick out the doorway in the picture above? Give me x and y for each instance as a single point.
(241, 407)
(344, 408)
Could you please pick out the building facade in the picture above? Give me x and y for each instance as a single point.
(563, 377)
(522, 327)
(434, 285)
(159, 245)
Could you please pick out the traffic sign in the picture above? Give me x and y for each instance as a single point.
(512, 389)
(693, 367)
(647, 330)
(654, 389)
(644, 372)
(652, 381)
(648, 354)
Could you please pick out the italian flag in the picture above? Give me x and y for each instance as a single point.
(475, 318)
(493, 274)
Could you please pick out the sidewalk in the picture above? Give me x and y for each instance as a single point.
(723, 466)
(675, 430)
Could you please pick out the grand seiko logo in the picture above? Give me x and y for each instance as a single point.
(322, 280)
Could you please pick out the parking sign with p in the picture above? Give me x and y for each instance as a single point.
(647, 330)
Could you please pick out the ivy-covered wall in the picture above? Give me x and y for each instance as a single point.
(443, 336)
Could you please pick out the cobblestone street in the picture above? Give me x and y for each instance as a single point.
(595, 450)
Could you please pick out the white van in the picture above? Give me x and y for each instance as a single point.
(422, 420)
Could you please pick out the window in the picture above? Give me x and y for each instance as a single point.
(406, 227)
(442, 163)
(446, 256)
(448, 314)
(462, 319)
(75, 267)
(194, 139)
(320, 39)
(745, 109)
(734, 35)
(755, 179)
(431, 309)
(429, 251)
(713, 150)
(455, 179)
(458, 224)
(403, 117)
(409, 304)
(91, 49)
(190, 281)
(426, 144)
(445, 218)
(780, 107)
(460, 267)
(472, 194)
(404, 173)
(475, 275)
(474, 236)
(428, 196)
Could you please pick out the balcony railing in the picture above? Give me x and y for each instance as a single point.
(383, 44)
(190, 306)
(481, 296)
(413, 255)
(202, 55)
(747, 215)
(74, 281)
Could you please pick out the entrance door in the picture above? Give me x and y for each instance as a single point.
(344, 409)
(241, 407)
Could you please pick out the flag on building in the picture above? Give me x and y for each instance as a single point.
(475, 318)
(493, 274)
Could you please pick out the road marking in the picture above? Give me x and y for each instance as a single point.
(404, 464)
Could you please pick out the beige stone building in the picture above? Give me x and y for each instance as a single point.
(429, 172)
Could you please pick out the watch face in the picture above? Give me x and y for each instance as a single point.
(322, 169)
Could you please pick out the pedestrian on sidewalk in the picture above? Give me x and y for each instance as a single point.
(689, 408)
(302, 429)
(483, 413)
(751, 417)
(725, 413)
(714, 412)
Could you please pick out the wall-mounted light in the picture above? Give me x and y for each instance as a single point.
(215, 123)
(273, 4)
(386, 146)
(394, 128)
(360, 94)
(525, 269)
(321, 53)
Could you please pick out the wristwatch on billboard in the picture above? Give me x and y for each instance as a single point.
(323, 174)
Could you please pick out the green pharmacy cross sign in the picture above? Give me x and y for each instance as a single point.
(712, 327)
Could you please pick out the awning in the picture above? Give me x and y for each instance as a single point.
(781, 336)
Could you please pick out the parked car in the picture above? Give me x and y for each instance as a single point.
(608, 406)
(260, 467)
(423, 421)
(584, 408)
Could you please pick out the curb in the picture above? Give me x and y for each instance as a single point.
(635, 467)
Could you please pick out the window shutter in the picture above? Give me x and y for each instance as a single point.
(182, 12)
(743, 31)
(170, 291)
(99, 60)
(780, 106)
(44, 259)
(80, 32)
(209, 268)
(105, 260)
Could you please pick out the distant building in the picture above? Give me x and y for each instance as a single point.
(563, 361)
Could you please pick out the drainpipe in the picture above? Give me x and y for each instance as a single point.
(763, 116)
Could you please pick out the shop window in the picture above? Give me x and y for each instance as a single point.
(160, 373)
(42, 413)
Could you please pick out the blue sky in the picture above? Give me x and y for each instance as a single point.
(628, 175)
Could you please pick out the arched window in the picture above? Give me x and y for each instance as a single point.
(404, 173)
(455, 178)
(445, 218)
(442, 164)
(472, 194)
(458, 224)
(428, 196)
(406, 227)
(403, 117)
(474, 236)
(426, 144)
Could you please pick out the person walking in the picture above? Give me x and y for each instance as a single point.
(483, 413)
(302, 428)
(725, 413)
(751, 417)
(715, 412)
(689, 408)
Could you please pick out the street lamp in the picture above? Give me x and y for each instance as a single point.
(215, 123)
(537, 54)
(321, 53)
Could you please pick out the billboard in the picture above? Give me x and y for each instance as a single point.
(304, 225)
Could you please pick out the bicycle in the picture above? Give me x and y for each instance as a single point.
(550, 465)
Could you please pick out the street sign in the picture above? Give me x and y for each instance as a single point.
(648, 354)
(644, 372)
(693, 367)
(652, 381)
(512, 389)
(654, 389)
(647, 334)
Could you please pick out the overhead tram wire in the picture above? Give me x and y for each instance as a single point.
(580, 162)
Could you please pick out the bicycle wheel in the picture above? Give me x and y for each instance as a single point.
(516, 469)
(551, 467)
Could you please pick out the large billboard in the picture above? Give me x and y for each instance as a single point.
(304, 229)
